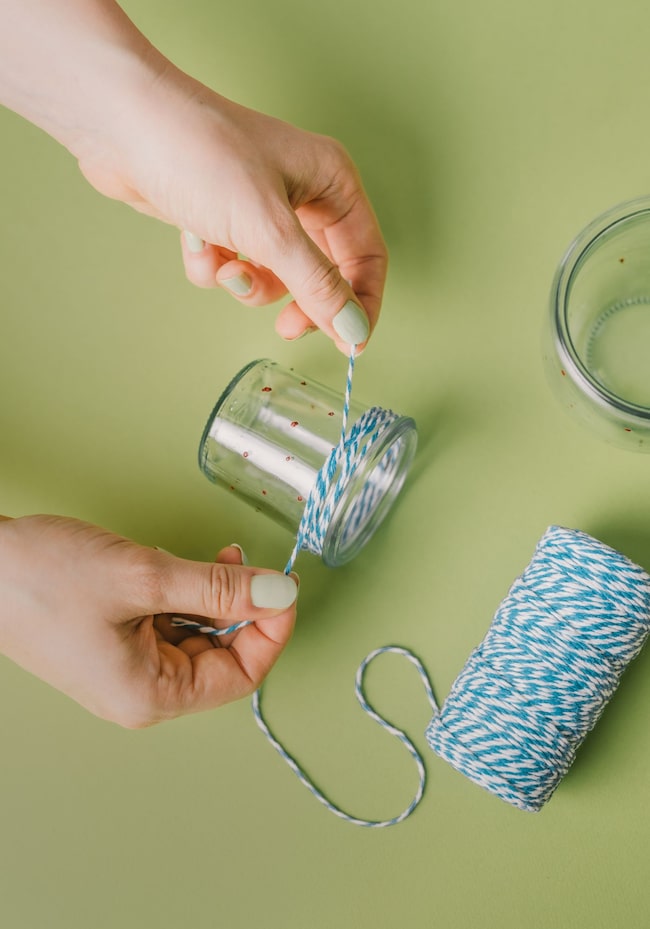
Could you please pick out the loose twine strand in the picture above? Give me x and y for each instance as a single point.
(331, 482)
(545, 671)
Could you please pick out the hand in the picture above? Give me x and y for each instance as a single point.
(89, 612)
(148, 134)
(242, 182)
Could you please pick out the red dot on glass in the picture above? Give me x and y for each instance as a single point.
(627, 430)
(299, 499)
(294, 423)
(266, 390)
(330, 413)
(245, 454)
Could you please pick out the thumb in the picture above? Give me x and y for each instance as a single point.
(315, 283)
(221, 591)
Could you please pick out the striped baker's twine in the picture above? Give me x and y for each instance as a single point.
(551, 660)
(331, 481)
(330, 484)
(393, 730)
(547, 667)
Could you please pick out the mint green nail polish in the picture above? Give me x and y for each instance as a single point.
(193, 242)
(244, 559)
(240, 285)
(273, 591)
(351, 324)
(305, 332)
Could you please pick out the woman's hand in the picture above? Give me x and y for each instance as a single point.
(146, 133)
(89, 612)
(292, 202)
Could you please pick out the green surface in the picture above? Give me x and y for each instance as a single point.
(488, 135)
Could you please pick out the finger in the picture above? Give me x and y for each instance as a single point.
(249, 283)
(176, 635)
(233, 554)
(186, 641)
(355, 245)
(316, 284)
(292, 324)
(224, 674)
(164, 626)
(209, 266)
(202, 260)
(197, 644)
(219, 592)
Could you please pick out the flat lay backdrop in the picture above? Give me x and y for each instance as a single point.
(487, 136)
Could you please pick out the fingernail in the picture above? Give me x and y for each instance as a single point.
(193, 242)
(351, 324)
(240, 285)
(274, 591)
(305, 332)
(244, 559)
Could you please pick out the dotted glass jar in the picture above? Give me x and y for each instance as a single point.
(269, 435)
(597, 347)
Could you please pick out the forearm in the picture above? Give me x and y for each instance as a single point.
(68, 66)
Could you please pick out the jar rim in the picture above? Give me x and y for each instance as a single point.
(567, 271)
(337, 549)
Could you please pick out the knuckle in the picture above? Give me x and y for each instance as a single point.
(323, 282)
(336, 150)
(147, 578)
(224, 590)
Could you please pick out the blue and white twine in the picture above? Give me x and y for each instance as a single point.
(551, 660)
(393, 730)
(330, 484)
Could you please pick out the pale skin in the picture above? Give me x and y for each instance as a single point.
(83, 609)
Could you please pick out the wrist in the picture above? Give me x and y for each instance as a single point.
(95, 123)
(69, 67)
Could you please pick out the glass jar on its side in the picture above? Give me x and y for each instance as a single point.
(270, 433)
(597, 346)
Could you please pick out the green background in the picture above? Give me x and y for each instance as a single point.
(487, 136)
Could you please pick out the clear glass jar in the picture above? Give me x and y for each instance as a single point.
(270, 433)
(597, 347)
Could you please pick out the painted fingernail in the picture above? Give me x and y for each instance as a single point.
(193, 242)
(240, 285)
(273, 591)
(244, 559)
(351, 324)
(307, 331)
